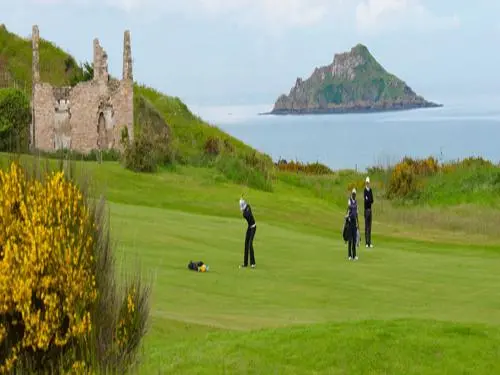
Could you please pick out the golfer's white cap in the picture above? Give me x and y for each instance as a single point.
(243, 204)
(367, 179)
(354, 190)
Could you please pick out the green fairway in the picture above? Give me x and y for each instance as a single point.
(425, 300)
(410, 305)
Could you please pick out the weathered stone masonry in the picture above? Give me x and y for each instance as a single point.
(86, 117)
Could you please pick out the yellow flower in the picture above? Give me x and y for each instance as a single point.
(46, 254)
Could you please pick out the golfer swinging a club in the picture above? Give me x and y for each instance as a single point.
(251, 229)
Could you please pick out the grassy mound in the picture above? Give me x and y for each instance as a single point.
(196, 143)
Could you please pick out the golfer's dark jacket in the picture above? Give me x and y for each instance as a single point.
(247, 214)
(368, 199)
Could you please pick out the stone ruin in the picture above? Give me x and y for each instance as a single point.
(89, 116)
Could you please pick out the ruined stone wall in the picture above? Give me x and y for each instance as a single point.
(86, 117)
(123, 105)
(44, 114)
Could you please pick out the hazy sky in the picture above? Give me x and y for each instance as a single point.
(250, 51)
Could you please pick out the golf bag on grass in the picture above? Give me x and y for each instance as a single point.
(198, 266)
(345, 231)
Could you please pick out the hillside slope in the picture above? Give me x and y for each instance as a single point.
(353, 82)
(193, 141)
(56, 66)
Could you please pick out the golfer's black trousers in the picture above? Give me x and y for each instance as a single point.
(249, 246)
(353, 231)
(368, 226)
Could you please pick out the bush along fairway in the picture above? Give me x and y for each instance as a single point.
(61, 307)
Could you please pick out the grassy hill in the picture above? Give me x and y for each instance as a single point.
(56, 66)
(192, 141)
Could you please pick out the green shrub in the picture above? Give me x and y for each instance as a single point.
(307, 168)
(151, 146)
(228, 146)
(212, 146)
(15, 119)
(237, 169)
(467, 163)
(141, 154)
(82, 73)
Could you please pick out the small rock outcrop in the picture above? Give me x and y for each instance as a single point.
(353, 82)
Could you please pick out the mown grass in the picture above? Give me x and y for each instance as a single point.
(304, 279)
(371, 347)
(416, 303)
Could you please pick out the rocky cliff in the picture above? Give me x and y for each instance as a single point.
(353, 82)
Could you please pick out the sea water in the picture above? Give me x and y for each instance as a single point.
(463, 127)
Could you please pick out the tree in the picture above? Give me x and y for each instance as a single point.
(15, 118)
(83, 74)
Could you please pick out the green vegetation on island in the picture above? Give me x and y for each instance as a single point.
(353, 82)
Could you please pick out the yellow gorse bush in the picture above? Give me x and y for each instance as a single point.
(406, 176)
(128, 316)
(47, 283)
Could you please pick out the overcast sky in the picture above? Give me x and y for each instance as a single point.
(233, 52)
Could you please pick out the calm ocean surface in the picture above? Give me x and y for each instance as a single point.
(462, 128)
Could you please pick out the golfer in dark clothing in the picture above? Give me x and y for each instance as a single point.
(251, 229)
(368, 213)
(352, 214)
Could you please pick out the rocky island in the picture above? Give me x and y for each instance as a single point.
(353, 83)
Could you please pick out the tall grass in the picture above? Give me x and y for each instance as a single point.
(465, 219)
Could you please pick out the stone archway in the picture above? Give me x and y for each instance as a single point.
(102, 136)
